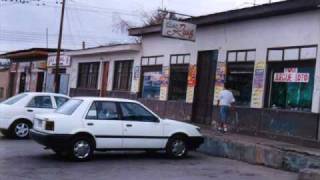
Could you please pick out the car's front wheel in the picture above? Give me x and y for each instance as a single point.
(177, 147)
(81, 149)
(20, 129)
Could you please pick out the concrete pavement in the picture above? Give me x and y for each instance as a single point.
(26, 160)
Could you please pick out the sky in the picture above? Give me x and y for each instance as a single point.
(36, 24)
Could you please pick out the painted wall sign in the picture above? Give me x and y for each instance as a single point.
(64, 61)
(179, 30)
(38, 66)
(258, 84)
(220, 80)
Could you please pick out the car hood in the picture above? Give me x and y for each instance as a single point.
(178, 123)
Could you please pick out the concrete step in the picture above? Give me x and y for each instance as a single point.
(260, 151)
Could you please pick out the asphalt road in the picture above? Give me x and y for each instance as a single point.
(26, 160)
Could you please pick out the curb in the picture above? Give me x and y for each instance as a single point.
(259, 154)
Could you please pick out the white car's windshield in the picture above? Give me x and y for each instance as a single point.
(69, 107)
(15, 99)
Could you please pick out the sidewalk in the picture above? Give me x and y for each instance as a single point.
(259, 151)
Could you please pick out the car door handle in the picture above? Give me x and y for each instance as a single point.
(90, 124)
(29, 110)
(129, 125)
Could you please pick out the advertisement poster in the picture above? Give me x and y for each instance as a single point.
(220, 80)
(164, 83)
(258, 84)
(192, 78)
(151, 85)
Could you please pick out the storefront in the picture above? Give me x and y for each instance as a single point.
(266, 54)
(291, 75)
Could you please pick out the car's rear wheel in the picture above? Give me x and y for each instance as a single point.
(81, 149)
(177, 147)
(20, 130)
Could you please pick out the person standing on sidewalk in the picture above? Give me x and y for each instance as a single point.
(225, 102)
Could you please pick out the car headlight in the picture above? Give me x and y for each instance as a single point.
(199, 129)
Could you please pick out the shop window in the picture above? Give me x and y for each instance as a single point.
(151, 82)
(151, 60)
(122, 75)
(241, 56)
(178, 81)
(292, 53)
(240, 68)
(291, 85)
(239, 80)
(88, 75)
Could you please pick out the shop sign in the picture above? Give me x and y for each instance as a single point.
(291, 75)
(39, 65)
(179, 30)
(64, 61)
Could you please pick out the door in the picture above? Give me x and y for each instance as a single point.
(103, 92)
(40, 80)
(12, 87)
(64, 84)
(141, 129)
(39, 105)
(204, 90)
(103, 120)
(22, 83)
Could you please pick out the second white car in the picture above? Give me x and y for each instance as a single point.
(17, 113)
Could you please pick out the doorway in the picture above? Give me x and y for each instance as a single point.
(22, 83)
(40, 81)
(204, 90)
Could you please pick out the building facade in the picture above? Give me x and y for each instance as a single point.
(28, 70)
(104, 71)
(267, 54)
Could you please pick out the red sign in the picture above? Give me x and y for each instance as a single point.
(292, 77)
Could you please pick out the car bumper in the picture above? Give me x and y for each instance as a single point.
(195, 142)
(52, 141)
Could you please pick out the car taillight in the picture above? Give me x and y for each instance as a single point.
(49, 126)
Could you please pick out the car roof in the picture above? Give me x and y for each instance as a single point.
(105, 99)
(44, 93)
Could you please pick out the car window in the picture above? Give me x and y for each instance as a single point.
(15, 99)
(40, 102)
(69, 107)
(101, 110)
(136, 112)
(60, 100)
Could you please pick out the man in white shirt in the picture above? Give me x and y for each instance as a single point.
(225, 102)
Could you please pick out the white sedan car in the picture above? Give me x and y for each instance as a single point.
(84, 125)
(17, 113)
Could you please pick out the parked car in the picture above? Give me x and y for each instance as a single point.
(17, 112)
(84, 125)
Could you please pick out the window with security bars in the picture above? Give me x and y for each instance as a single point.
(88, 75)
(122, 75)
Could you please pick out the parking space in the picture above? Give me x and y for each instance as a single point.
(27, 160)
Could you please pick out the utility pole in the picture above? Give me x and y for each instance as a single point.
(56, 79)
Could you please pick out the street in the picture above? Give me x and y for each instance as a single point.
(26, 160)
